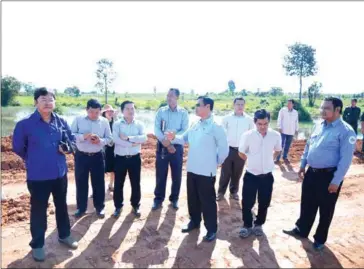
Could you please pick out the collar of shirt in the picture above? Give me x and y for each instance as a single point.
(238, 116)
(123, 120)
(174, 110)
(207, 121)
(333, 124)
(87, 118)
(37, 116)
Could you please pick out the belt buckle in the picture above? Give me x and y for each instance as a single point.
(128, 156)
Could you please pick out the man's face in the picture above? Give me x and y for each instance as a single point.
(239, 106)
(289, 105)
(353, 103)
(129, 111)
(327, 111)
(45, 104)
(262, 125)
(201, 108)
(172, 98)
(93, 113)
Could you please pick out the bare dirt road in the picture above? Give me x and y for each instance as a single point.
(155, 239)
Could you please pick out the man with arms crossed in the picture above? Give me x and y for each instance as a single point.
(208, 148)
(259, 147)
(235, 125)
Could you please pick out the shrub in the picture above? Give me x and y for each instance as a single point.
(59, 110)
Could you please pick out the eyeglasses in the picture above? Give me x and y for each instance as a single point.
(47, 100)
(199, 105)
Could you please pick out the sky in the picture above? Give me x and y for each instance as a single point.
(188, 45)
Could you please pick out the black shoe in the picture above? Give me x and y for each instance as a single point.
(136, 212)
(100, 213)
(117, 212)
(209, 237)
(175, 204)
(190, 226)
(79, 213)
(156, 205)
(294, 232)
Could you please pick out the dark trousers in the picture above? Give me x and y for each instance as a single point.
(84, 165)
(231, 171)
(315, 196)
(127, 165)
(163, 160)
(355, 126)
(39, 196)
(201, 198)
(286, 144)
(253, 185)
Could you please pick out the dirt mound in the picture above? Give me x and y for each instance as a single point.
(6, 143)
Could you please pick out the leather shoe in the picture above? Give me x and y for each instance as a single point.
(100, 213)
(294, 232)
(190, 226)
(79, 213)
(156, 205)
(117, 212)
(136, 212)
(38, 254)
(209, 237)
(175, 204)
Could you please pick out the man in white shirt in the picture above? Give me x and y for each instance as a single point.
(128, 135)
(287, 124)
(257, 147)
(235, 124)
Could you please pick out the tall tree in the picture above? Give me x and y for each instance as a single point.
(29, 88)
(276, 91)
(313, 93)
(301, 62)
(231, 85)
(72, 91)
(105, 75)
(155, 91)
(10, 88)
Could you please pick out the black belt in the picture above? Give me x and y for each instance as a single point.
(89, 153)
(261, 175)
(234, 148)
(127, 156)
(322, 170)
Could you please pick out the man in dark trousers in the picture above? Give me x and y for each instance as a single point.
(352, 115)
(38, 140)
(169, 119)
(328, 154)
(128, 135)
(235, 124)
(92, 134)
(259, 147)
(362, 130)
(208, 148)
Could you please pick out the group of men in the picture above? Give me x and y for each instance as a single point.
(40, 140)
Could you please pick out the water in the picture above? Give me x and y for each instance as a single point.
(10, 115)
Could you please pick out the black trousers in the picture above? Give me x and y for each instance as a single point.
(253, 185)
(201, 198)
(315, 196)
(84, 165)
(39, 196)
(163, 160)
(231, 172)
(127, 165)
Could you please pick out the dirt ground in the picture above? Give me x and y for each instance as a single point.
(155, 239)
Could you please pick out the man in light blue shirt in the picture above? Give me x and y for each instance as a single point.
(208, 148)
(128, 135)
(170, 118)
(328, 153)
(92, 134)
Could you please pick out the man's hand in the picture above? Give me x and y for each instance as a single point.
(123, 137)
(243, 156)
(86, 136)
(333, 188)
(95, 139)
(166, 143)
(301, 174)
(275, 155)
(170, 135)
(171, 149)
(61, 150)
(280, 130)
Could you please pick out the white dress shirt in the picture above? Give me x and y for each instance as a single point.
(259, 150)
(235, 126)
(136, 134)
(287, 121)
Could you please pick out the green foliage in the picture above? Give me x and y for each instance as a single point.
(72, 91)
(300, 62)
(276, 91)
(10, 88)
(313, 93)
(303, 114)
(231, 85)
(29, 88)
(105, 75)
(59, 110)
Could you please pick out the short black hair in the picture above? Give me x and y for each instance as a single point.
(336, 102)
(123, 104)
(93, 103)
(291, 100)
(43, 91)
(176, 91)
(239, 99)
(261, 114)
(355, 100)
(207, 101)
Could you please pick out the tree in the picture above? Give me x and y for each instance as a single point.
(105, 75)
(276, 91)
(244, 93)
(313, 92)
(72, 91)
(300, 62)
(155, 92)
(29, 88)
(231, 85)
(10, 88)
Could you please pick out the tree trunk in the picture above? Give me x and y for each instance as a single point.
(105, 81)
(300, 88)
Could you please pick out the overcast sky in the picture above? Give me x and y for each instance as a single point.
(188, 45)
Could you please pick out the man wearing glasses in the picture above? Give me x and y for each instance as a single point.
(38, 140)
(208, 148)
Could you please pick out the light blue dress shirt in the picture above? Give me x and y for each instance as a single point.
(208, 147)
(136, 134)
(175, 120)
(330, 145)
